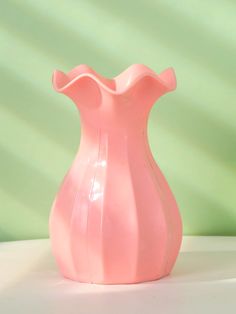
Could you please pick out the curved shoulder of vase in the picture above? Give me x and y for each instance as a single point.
(117, 86)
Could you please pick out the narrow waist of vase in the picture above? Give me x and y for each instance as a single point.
(98, 143)
(92, 135)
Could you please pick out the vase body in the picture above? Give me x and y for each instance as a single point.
(114, 219)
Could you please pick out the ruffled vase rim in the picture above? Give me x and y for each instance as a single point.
(129, 77)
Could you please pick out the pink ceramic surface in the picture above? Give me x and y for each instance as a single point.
(115, 219)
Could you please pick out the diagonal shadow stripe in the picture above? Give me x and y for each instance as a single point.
(5, 235)
(200, 213)
(26, 184)
(190, 40)
(207, 133)
(40, 111)
(50, 37)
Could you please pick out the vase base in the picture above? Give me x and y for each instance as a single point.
(117, 282)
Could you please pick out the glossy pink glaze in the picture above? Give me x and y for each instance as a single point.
(115, 219)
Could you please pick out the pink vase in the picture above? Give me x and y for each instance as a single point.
(115, 219)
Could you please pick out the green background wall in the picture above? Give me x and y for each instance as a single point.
(192, 131)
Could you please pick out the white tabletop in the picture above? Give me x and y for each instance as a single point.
(203, 281)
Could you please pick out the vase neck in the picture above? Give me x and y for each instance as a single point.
(113, 127)
(111, 142)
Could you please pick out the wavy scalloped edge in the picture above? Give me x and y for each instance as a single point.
(129, 78)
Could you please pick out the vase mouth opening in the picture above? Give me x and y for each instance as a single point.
(118, 85)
